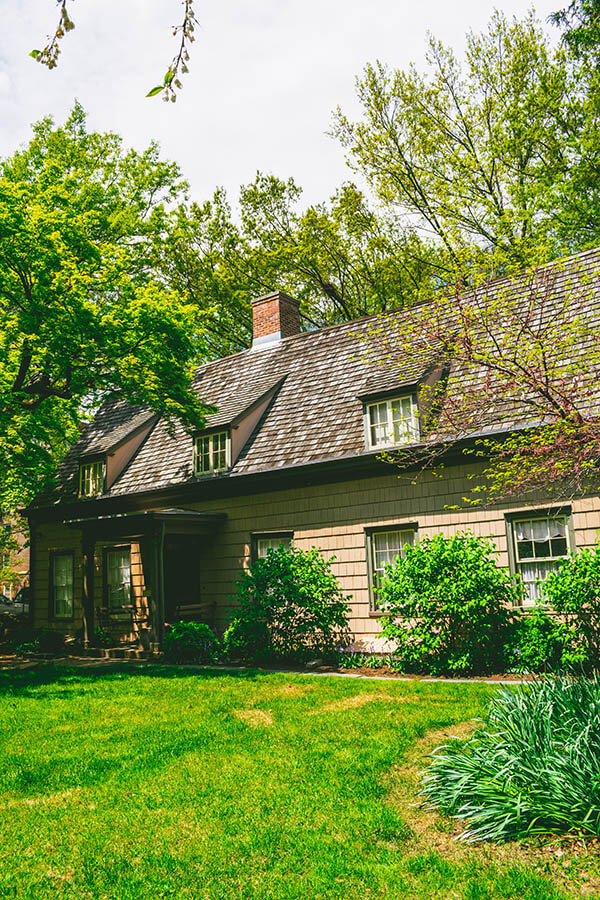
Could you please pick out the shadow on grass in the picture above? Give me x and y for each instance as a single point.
(23, 682)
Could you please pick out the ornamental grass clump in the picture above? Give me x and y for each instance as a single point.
(533, 767)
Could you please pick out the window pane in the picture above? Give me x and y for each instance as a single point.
(542, 542)
(264, 544)
(378, 420)
(525, 549)
(118, 577)
(387, 545)
(91, 478)
(532, 574)
(62, 585)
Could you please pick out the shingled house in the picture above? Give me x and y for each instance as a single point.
(148, 526)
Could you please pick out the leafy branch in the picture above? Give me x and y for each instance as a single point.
(179, 64)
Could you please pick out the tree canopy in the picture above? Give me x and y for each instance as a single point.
(341, 259)
(82, 315)
(498, 151)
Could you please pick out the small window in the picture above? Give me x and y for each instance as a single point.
(385, 547)
(91, 478)
(391, 423)
(540, 545)
(118, 577)
(62, 585)
(262, 543)
(211, 453)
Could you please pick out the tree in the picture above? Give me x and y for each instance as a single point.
(499, 152)
(82, 316)
(521, 372)
(340, 259)
(581, 21)
(48, 56)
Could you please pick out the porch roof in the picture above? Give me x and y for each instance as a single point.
(140, 523)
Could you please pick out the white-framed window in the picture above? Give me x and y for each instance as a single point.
(262, 543)
(62, 585)
(118, 577)
(91, 478)
(212, 453)
(393, 422)
(541, 543)
(384, 547)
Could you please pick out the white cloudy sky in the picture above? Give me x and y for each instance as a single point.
(265, 75)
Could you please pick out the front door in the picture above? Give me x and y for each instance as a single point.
(182, 577)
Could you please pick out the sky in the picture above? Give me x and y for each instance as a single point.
(264, 76)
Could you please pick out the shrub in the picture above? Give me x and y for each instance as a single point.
(562, 632)
(289, 607)
(533, 767)
(449, 606)
(28, 639)
(573, 592)
(539, 642)
(191, 642)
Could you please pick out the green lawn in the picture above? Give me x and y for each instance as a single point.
(156, 782)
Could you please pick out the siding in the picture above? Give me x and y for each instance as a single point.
(332, 517)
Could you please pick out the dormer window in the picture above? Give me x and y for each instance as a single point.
(393, 422)
(91, 478)
(212, 453)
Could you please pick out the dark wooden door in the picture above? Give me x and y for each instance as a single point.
(182, 577)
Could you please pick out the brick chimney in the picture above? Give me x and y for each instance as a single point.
(274, 316)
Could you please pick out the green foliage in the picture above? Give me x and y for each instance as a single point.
(497, 150)
(358, 660)
(25, 639)
(191, 642)
(563, 630)
(448, 606)
(533, 767)
(83, 316)
(539, 642)
(340, 259)
(290, 607)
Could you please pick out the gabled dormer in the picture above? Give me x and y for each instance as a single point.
(103, 456)
(217, 448)
(398, 412)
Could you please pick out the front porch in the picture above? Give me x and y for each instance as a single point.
(155, 554)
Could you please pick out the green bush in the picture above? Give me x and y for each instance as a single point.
(27, 639)
(539, 642)
(449, 607)
(191, 642)
(533, 767)
(290, 607)
(562, 632)
(573, 592)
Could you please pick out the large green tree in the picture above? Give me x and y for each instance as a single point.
(82, 316)
(341, 259)
(499, 150)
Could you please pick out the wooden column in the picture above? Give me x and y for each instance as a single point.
(88, 545)
(158, 586)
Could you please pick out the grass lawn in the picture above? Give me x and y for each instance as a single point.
(160, 783)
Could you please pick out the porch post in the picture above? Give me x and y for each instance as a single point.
(158, 617)
(88, 546)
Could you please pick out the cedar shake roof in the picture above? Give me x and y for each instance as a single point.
(316, 380)
(113, 424)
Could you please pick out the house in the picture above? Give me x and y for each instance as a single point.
(14, 563)
(149, 525)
